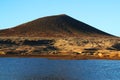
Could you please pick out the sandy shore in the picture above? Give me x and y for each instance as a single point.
(62, 57)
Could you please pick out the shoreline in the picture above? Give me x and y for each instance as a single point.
(62, 57)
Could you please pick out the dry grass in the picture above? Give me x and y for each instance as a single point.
(97, 47)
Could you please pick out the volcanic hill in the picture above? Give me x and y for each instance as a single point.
(53, 26)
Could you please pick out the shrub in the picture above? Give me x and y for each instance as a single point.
(116, 46)
(2, 53)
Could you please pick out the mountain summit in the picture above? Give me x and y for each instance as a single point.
(54, 26)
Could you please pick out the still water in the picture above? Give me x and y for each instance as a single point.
(44, 69)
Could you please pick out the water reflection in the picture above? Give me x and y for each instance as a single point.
(44, 69)
(34, 69)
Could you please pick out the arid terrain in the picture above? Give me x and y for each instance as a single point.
(61, 36)
(97, 47)
(54, 26)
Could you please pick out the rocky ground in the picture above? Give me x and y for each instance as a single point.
(101, 47)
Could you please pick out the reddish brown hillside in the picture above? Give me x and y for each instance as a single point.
(54, 26)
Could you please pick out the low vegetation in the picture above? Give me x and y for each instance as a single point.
(98, 47)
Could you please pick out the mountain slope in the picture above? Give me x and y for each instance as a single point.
(54, 26)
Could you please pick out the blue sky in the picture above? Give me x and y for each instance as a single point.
(101, 14)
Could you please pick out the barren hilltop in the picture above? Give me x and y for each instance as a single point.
(54, 26)
(59, 36)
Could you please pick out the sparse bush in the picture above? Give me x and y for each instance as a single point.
(92, 49)
(77, 53)
(116, 46)
(110, 48)
(2, 53)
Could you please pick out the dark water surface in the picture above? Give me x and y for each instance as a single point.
(44, 69)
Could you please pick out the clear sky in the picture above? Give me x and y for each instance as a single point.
(101, 14)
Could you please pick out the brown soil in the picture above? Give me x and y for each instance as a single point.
(62, 57)
(54, 26)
